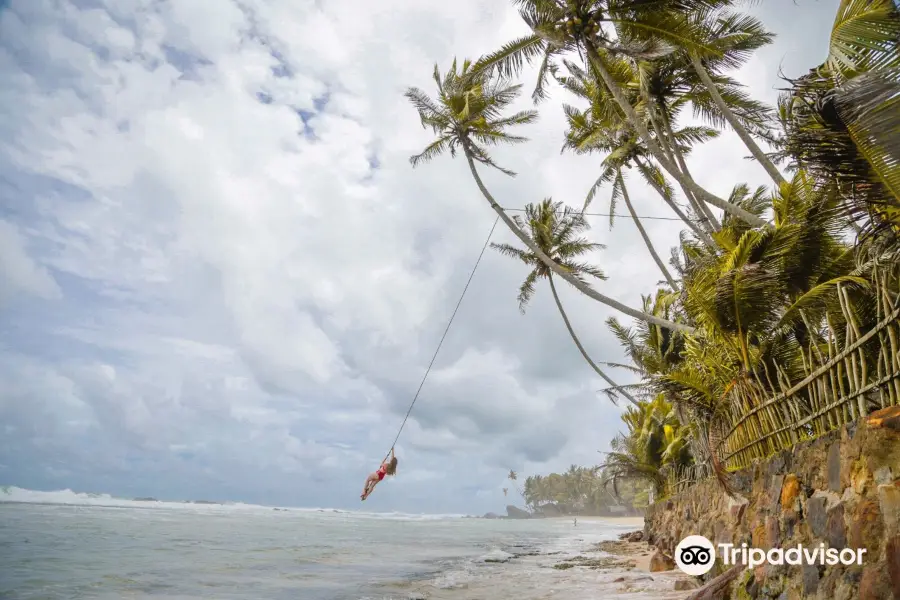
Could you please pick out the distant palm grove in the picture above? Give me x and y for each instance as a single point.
(776, 317)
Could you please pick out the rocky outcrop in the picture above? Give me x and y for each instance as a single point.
(841, 490)
(517, 513)
(661, 562)
(634, 536)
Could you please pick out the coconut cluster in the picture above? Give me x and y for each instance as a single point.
(579, 21)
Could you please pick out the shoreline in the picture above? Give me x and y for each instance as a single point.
(597, 561)
(637, 522)
(639, 553)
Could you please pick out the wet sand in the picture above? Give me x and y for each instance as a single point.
(638, 553)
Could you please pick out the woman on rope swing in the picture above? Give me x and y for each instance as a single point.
(388, 467)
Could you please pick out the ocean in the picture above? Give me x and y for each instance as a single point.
(63, 545)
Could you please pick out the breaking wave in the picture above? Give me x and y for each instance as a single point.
(13, 494)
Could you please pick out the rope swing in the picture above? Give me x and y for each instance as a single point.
(441, 343)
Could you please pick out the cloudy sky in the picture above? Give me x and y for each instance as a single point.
(220, 277)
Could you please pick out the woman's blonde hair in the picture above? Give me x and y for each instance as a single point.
(391, 466)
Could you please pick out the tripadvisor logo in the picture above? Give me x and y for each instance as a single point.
(695, 555)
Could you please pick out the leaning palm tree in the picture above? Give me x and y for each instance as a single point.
(588, 133)
(729, 40)
(670, 84)
(718, 41)
(557, 232)
(842, 120)
(715, 41)
(585, 27)
(513, 476)
(602, 128)
(467, 117)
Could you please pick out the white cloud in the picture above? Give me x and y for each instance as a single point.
(248, 279)
(19, 273)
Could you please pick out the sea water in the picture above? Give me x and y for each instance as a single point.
(56, 545)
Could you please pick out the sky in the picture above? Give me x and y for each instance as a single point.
(220, 277)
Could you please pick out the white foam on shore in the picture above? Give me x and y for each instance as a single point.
(495, 556)
(531, 575)
(454, 579)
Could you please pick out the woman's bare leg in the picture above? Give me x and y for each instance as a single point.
(370, 485)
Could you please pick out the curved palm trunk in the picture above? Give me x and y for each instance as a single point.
(755, 150)
(670, 148)
(701, 234)
(667, 142)
(559, 270)
(581, 349)
(646, 238)
(679, 157)
(657, 152)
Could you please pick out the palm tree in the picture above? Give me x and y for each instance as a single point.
(670, 84)
(654, 444)
(652, 351)
(620, 190)
(729, 38)
(602, 128)
(841, 120)
(467, 117)
(762, 302)
(583, 26)
(513, 476)
(557, 232)
(717, 40)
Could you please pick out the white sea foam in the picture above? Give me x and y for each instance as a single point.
(532, 576)
(454, 579)
(495, 556)
(72, 498)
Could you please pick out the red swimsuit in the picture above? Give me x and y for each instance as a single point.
(381, 472)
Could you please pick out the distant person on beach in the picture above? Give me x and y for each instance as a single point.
(575, 522)
(388, 467)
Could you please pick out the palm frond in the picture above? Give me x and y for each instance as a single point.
(511, 58)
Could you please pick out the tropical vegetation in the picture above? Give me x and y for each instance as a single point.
(775, 318)
(582, 491)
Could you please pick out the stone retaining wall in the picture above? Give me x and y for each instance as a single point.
(842, 489)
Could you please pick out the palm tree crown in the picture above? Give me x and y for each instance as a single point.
(557, 230)
(468, 114)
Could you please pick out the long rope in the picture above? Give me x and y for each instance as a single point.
(441, 343)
